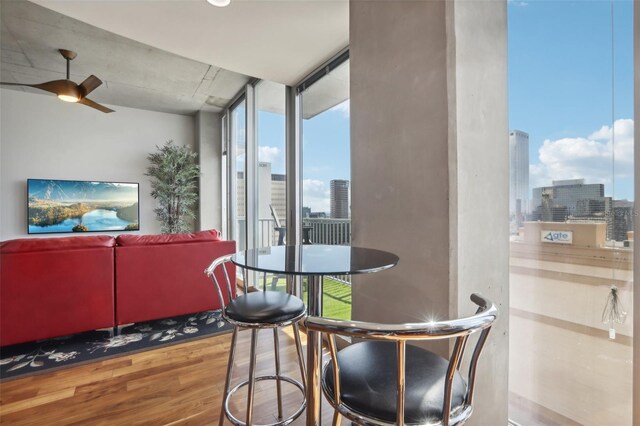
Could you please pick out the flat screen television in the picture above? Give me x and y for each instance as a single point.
(59, 206)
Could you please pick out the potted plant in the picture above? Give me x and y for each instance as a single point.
(174, 183)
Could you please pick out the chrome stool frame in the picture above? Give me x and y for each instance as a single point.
(399, 334)
(250, 382)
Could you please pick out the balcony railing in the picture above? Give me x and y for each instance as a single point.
(321, 231)
(329, 231)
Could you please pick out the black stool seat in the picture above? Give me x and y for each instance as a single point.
(368, 382)
(265, 307)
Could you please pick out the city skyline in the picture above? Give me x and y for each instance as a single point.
(568, 115)
(570, 80)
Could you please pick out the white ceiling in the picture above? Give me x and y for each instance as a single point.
(277, 40)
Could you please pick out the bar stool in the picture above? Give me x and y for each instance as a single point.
(383, 381)
(256, 311)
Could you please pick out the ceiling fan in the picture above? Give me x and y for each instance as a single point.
(67, 90)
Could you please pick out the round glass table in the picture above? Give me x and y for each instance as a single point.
(314, 262)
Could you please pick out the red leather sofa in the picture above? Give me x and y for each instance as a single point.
(52, 287)
(159, 276)
(55, 286)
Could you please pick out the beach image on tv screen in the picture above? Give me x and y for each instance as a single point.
(81, 206)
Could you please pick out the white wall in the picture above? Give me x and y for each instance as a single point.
(42, 137)
(209, 146)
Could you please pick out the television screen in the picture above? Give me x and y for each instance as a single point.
(81, 206)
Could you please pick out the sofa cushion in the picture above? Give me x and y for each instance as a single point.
(24, 245)
(146, 240)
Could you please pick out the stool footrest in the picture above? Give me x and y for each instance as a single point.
(282, 422)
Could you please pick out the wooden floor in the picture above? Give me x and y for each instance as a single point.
(175, 385)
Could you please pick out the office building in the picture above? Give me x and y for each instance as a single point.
(620, 220)
(279, 195)
(272, 191)
(568, 199)
(519, 173)
(339, 199)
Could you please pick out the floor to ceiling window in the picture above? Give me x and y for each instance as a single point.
(238, 158)
(326, 172)
(272, 185)
(258, 161)
(256, 166)
(571, 212)
(326, 160)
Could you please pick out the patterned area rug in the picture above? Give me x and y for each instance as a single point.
(34, 357)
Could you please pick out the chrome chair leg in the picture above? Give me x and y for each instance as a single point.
(227, 383)
(336, 418)
(276, 348)
(303, 370)
(252, 376)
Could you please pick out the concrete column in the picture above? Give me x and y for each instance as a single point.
(399, 151)
(429, 142)
(479, 199)
(209, 147)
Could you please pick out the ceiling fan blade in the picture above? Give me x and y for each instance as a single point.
(55, 86)
(13, 84)
(89, 102)
(89, 85)
(50, 86)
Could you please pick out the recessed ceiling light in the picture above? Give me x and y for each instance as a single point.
(219, 3)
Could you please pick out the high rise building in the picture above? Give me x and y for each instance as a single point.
(271, 193)
(279, 195)
(340, 199)
(574, 201)
(570, 199)
(620, 220)
(573, 197)
(519, 173)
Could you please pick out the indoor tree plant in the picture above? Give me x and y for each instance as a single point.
(174, 183)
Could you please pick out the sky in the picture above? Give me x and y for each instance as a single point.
(570, 84)
(325, 151)
(562, 57)
(326, 155)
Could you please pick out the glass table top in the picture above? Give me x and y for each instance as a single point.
(315, 260)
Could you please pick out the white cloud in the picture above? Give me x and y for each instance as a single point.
(315, 195)
(595, 158)
(268, 154)
(343, 107)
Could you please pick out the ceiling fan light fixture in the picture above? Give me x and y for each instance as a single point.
(219, 3)
(68, 98)
(68, 91)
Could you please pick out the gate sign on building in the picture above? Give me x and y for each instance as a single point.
(558, 237)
